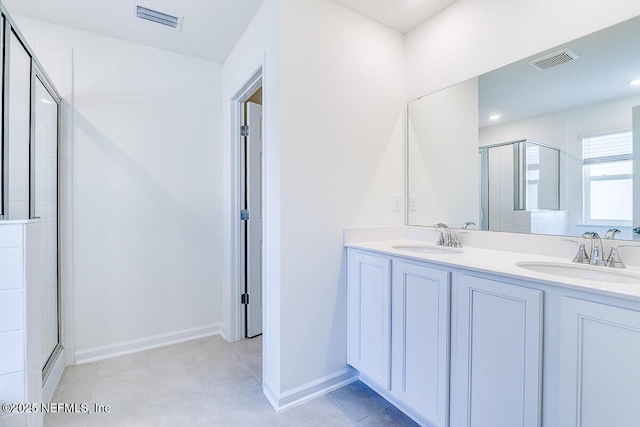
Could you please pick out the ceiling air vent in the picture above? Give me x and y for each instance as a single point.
(554, 59)
(162, 18)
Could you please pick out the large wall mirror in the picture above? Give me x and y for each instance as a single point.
(547, 145)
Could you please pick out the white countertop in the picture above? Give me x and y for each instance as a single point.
(504, 263)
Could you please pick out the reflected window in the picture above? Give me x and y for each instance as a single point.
(608, 177)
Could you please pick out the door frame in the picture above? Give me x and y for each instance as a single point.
(237, 274)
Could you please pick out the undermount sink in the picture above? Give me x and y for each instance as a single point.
(427, 249)
(580, 271)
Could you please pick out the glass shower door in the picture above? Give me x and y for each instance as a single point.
(46, 208)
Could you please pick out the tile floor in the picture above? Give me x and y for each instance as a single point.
(206, 382)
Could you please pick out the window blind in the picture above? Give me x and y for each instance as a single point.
(607, 148)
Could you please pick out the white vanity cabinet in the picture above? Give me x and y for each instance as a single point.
(498, 354)
(420, 302)
(369, 316)
(399, 332)
(599, 365)
(455, 343)
(400, 339)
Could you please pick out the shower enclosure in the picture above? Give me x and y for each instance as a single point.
(30, 124)
(521, 188)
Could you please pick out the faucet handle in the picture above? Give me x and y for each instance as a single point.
(614, 260)
(590, 235)
(611, 233)
(440, 241)
(581, 256)
(456, 242)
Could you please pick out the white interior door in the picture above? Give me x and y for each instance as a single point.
(254, 225)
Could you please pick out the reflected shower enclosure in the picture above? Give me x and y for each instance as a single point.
(521, 188)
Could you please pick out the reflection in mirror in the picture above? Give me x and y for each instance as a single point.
(576, 100)
(521, 188)
(443, 160)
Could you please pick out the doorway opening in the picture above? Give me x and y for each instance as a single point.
(246, 210)
(251, 213)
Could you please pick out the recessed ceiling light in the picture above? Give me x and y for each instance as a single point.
(635, 82)
(495, 116)
(46, 101)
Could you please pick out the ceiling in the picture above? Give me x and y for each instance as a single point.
(401, 15)
(210, 28)
(608, 62)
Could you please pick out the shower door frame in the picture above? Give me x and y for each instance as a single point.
(37, 74)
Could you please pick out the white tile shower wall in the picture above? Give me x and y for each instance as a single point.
(550, 222)
(11, 303)
(34, 281)
(20, 367)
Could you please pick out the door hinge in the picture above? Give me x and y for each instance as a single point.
(244, 130)
(244, 215)
(244, 299)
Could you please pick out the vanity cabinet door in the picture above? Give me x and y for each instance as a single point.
(369, 316)
(420, 340)
(498, 354)
(600, 365)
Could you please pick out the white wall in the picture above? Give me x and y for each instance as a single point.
(258, 47)
(334, 150)
(342, 155)
(147, 184)
(470, 37)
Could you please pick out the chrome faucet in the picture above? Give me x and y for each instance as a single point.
(445, 237)
(595, 257)
(466, 224)
(611, 233)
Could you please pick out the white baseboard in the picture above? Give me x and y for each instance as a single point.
(222, 331)
(310, 390)
(54, 378)
(271, 395)
(128, 347)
